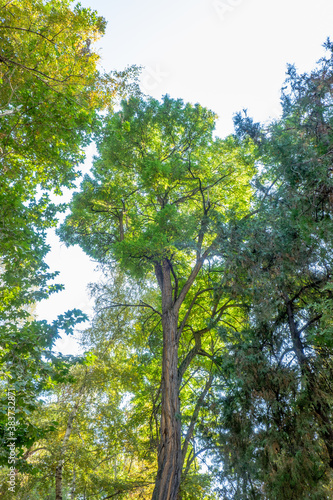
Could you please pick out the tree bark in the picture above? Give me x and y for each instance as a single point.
(169, 453)
(58, 482)
(59, 468)
(170, 450)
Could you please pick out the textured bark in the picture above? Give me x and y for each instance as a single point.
(58, 482)
(169, 453)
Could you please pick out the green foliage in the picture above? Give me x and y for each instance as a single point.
(144, 201)
(50, 94)
(110, 450)
(274, 430)
(163, 192)
(255, 322)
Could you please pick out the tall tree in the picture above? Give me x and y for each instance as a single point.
(161, 192)
(278, 406)
(50, 94)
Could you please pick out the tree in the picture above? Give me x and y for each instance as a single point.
(278, 407)
(49, 96)
(98, 446)
(161, 192)
(51, 91)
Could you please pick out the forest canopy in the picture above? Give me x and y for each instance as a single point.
(207, 366)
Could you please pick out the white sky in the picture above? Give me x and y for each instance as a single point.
(225, 54)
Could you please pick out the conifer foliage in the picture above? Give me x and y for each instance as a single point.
(275, 427)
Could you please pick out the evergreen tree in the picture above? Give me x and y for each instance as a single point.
(275, 429)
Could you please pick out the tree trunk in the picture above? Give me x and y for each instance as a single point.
(73, 486)
(58, 483)
(169, 453)
(320, 406)
(59, 468)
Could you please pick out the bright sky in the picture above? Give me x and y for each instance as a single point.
(225, 54)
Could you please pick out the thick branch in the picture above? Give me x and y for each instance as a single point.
(167, 300)
(188, 358)
(295, 335)
(142, 304)
(191, 278)
(192, 456)
(313, 320)
(176, 281)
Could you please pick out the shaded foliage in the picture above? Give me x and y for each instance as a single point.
(275, 430)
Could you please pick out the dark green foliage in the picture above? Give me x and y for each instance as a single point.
(274, 430)
(250, 270)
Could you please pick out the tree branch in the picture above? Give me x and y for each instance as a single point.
(183, 323)
(176, 281)
(28, 30)
(191, 278)
(310, 323)
(32, 70)
(195, 415)
(143, 304)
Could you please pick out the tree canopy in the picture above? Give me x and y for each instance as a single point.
(207, 365)
(51, 91)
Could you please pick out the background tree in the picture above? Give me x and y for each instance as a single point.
(50, 93)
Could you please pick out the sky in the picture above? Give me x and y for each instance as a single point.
(228, 55)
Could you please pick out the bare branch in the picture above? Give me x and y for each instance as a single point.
(313, 320)
(183, 323)
(188, 358)
(191, 278)
(187, 381)
(195, 415)
(142, 304)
